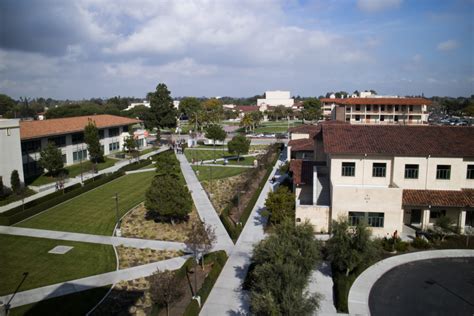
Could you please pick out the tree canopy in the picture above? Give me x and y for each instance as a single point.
(51, 159)
(162, 112)
(190, 106)
(239, 145)
(165, 289)
(215, 132)
(281, 205)
(91, 138)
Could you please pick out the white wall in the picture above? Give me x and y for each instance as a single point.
(10, 150)
(277, 94)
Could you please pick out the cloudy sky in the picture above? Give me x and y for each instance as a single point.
(96, 48)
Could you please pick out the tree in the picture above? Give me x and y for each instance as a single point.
(246, 122)
(130, 144)
(190, 106)
(349, 247)
(443, 226)
(15, 182)
(165, 289)
(51, 159)
(91, 138)
(216, 133)
(167, 199)
(162, 112)
(312, 114)
(280, 204)
(7, 105)
(167, 164)
(213, 110)
(239, 145)
(256, 117)
(312, 103)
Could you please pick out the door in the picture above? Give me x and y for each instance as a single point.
(470, 218)
(415, 217)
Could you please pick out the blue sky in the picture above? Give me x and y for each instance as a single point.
(97, 48)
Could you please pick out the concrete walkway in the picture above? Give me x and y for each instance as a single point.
(359, 293)
(95, 239)
(227, 296)
(50, 188)
(64, 288)
(204, 207)
(223, 166)
(321, 283)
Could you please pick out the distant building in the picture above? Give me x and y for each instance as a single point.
(276, 98)
(145, 103)
(22, 141)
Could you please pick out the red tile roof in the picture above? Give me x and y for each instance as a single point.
(247, 108)
(439, 141)
(384, 101)
(463, 198)
(305, 144)
(60, 126)
(302, 171)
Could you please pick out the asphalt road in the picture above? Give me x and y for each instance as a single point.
(428, 287)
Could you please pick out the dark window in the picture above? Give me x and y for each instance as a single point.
(470, 172)
(411, 171)
(113, 132)
(348, 169)
(357, 107)
(77, 138)
(382, 118)
(114, 146)
(396, 107)
(125, 129)
(382, 108)
(368, 107)
(31, 146)
(357, 118)
(101, 134)
(356, 218)
(411, 108)
(373, 219)
(395, 118)
(79, 155)
(59, 141)
(348, 108)
(443, 172)
(376, 108)
(379, 170)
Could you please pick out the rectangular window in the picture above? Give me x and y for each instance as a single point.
(357, 107)
(443, 172)
(395, 118)
(470, 172)
(114, 146)
(31, 146)
(125, 129)
(382, 118)
(79, 155)
(101, 134)
(411, 108)
(396, 107)
(59, 141)
(356, 218)
(368, 107)
(113, 132)
(379, 170)
(382, 108)
(411, 171)
(376, 108)
(357, 118)
(375, 219)
(348, 169)
(437, 214)
(348, 108)
(77, 138)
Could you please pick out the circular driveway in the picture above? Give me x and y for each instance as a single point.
(427, 287)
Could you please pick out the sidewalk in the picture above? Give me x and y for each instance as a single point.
(77, 179)
(227, 296)
(204, 207)
(321, 283)
(73, 286)
(95, 239)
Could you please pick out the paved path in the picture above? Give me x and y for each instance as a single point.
(95, 239)
(359, 293)
(321, 282)
(50, 188)
(204, 207)
(224, 166)
(227, 297)
(68, 287)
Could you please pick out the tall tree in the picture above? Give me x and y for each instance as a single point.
(167, 199)
(91, 138)
(7, 105)
(15, 182)
(214, 111)
(281, 205)
(216, 133)
(239, 145)
(165, 289)
(162, 112)
(190, 106)
(246, 122)
(51, 159)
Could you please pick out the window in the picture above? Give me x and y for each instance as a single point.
(396, 107)
(357, 118)
(411, 171)
(437, 214)
(395, 118)
(114, 132)
(79, 155)
(368, 107)
(348, 108)
(382, 118)
(114, 146)
(382, 108)
(373, 219)
(77, 138)
(443, 172)
(376, 108)
(379, 170)
(348, 169)
(357, 107)
(31, 146)
(470, 172)
(125, 129)
(101, 134)
(411, 108)
(59, 141)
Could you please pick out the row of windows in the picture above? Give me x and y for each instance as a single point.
(382, 118)
(382, 108)
(114, 146)
(372, 219)
(79, 155)
(443, 172)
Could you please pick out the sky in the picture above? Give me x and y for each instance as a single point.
(96, 48)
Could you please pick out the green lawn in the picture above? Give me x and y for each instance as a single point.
(74, 170)
(217, 172)
(26, 254)
(76, 304)
(217, 154)
(94, 212)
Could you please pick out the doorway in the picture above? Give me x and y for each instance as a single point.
(415, 216)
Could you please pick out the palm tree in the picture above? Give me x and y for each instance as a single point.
(246, 122)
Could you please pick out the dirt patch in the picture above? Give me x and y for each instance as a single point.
(135, 225)
(224, 191)
(132, 257)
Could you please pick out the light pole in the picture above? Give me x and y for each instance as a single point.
(117, 211)
(4, 310)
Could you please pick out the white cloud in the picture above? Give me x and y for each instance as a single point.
(447, 45)
(378, 5)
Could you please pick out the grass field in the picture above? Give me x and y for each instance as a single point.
(76, 304)
(94, 212)
(217, 154)
(217, 172)
(26, 254)
(75, 170)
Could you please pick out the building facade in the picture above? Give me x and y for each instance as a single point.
(387, 176)
(22, 151)
(276, 98)
(10, 147)
(377, 110)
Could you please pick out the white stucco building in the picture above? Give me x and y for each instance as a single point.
(387, 176)
(276, 98)
(10, 149)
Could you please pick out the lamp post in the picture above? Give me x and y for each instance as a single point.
(5, 308)
(117, 212)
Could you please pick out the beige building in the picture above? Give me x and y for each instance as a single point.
(387, 176)
(375, 110)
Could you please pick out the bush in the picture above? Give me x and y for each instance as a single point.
(136, 165)
(420, 243)
(401, 246)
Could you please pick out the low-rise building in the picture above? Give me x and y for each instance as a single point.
(276, 98)
(21, 148)
(377, 110)
(387, 176)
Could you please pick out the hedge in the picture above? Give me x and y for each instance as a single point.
(136, 165)
(18, 214)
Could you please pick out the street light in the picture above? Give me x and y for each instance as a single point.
(117, 212)
(4, 310)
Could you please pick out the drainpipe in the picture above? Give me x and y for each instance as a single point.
(426, 176)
